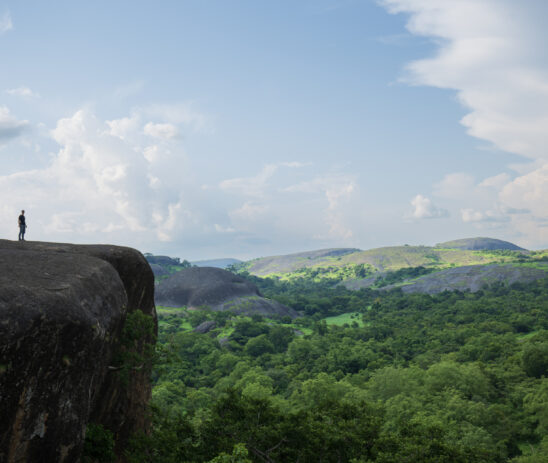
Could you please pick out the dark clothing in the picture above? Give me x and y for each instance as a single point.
(22, 227)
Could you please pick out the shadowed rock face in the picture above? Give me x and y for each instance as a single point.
(471, 278)
(217, 290)
(62, 310)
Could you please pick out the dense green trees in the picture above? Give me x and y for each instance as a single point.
(455, 377)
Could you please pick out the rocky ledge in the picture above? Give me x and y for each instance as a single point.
(76, 326)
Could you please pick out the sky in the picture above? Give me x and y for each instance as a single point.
(243, 128)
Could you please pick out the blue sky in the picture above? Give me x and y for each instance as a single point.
(206, 129)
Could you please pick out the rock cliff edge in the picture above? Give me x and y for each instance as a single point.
(77, 324)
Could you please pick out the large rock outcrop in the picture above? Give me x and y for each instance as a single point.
(217, 290)
(63, 347)
(480, 244)
(471, 278)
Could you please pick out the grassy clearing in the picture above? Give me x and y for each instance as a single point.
(523, 337)
(172, 319)
(345, 318)
(225, 332)
(169, 310)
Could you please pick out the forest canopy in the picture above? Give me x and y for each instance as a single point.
(362, 376)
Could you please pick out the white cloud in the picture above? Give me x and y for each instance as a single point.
(221, 229)
(529, 193)
(5, 22)
(257, 185)
(496, 181)
(24, 92)
(290, 203)
(491, 216)
(249, 211)
(424, 208)
(10, 126)
(339, 192)
(491, 53)
(164, 131)
(158, 121)
(110, 182)
(178, 114)
(100, 186)
(124, 126)
(457, 185)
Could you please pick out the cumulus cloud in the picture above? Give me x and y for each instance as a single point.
(256, 185)
(99, 183)
(531, 189)
(496, 181)
(285, 201)
(109, 181)
(182, 114)
(339, 192)
(490, 52)
(5, 22)
(251, 186)
(457, 185)
(124, 126)
(488, 216)
(10, 126)
(164, 131)
(481, 198)
(424, 208)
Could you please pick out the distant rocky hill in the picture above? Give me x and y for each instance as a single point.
(219, 263)
(217, 290)
(465, 278)
(476, 244)
(474, 251)
(291, 262)
(472, 278)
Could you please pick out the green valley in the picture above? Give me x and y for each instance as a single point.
(360, 375)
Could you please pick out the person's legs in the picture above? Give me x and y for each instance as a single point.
(21, 233)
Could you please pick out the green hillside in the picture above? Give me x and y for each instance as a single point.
(377, 260)
(421, 376)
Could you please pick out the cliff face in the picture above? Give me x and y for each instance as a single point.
(65, 355)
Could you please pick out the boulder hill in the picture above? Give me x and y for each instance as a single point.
(218, 290)
(64, 310)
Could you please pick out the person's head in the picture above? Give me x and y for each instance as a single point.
(23, 212)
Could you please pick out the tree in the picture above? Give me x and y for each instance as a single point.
(535, 359)
(259, 346)
(239, 455)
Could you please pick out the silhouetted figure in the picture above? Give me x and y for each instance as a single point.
(22, 226)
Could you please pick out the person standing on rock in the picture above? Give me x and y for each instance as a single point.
(22, 226)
